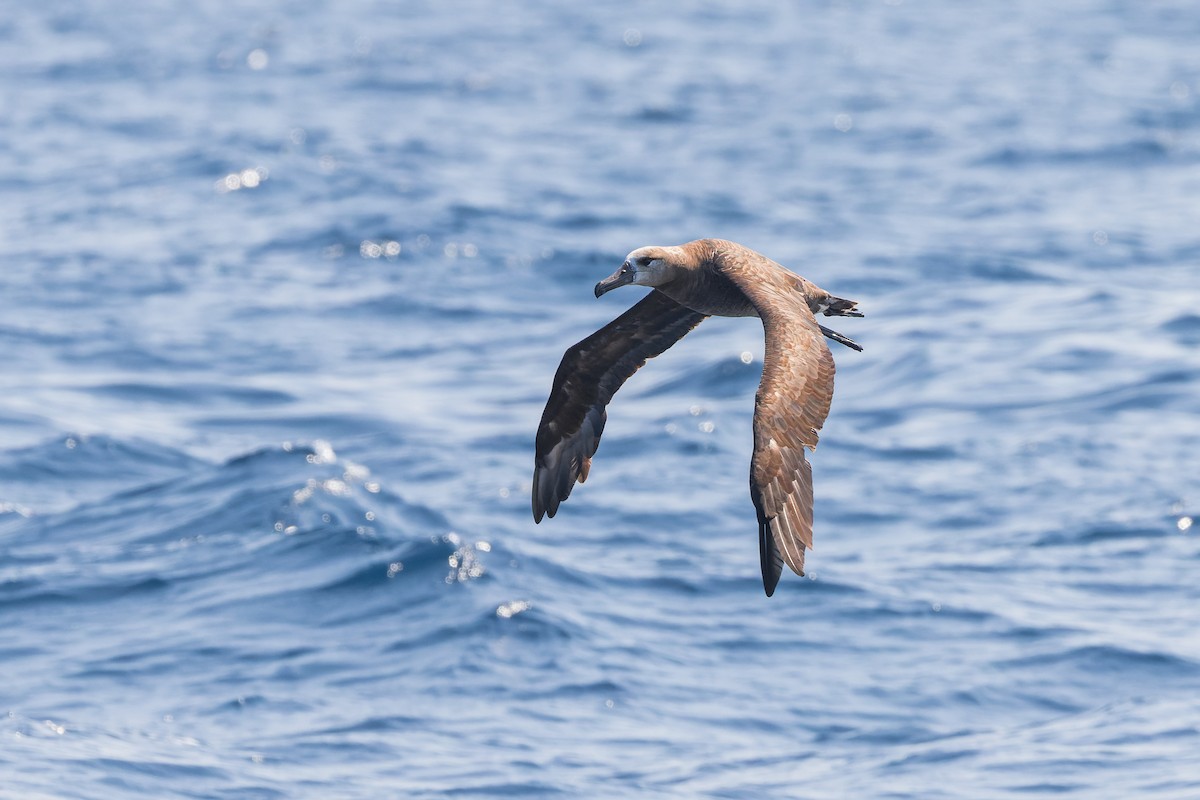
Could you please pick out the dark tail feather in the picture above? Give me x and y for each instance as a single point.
(842, 308)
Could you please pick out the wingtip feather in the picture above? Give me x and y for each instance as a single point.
(769, 558)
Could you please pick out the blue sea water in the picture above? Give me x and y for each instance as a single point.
(282, 290)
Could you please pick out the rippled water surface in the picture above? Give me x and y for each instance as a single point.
(283, 292)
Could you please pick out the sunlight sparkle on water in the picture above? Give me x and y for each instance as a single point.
(243, 179)
(322, 453)
(464, 561)
(383, 249)
(335, 487)
(512, 608)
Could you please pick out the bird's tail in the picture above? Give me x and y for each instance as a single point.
(837, 307)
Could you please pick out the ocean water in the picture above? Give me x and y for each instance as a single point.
(282, 291)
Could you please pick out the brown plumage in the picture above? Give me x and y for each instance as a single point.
(707, 277)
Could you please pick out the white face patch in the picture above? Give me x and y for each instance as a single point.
(659, 269)
(646, 273)
(650, 274)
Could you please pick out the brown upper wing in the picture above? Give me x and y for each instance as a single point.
(590, 374)
(789, 409)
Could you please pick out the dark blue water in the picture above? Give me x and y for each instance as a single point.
(282, 291)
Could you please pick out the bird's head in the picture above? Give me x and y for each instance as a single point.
(646, 266)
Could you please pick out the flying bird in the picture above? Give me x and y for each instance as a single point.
(707, 277)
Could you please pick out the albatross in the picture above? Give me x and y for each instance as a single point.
(707, 277)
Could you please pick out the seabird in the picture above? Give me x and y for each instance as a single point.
(707, 277)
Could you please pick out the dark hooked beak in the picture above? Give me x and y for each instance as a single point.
(622, 277)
